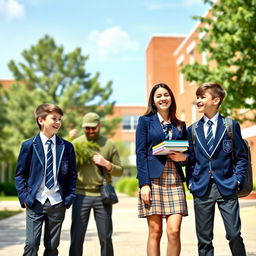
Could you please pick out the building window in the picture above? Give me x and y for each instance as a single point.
(181, 79)
(179, 63)
(191, 53)
(191, 57)
(130, 122)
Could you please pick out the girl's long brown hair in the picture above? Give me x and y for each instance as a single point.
(151, 109)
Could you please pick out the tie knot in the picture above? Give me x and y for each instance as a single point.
(49, 142)
(210, 123)
(167, 126)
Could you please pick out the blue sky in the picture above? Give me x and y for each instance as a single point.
(114, 33)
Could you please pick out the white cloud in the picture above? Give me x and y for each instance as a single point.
(112, 41)
(163, 5)
(11, 9)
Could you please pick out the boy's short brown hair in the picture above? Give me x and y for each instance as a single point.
(44, 110)
(214, 89)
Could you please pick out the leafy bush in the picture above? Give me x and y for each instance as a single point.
(128, 185)
(120, 185)
(8, 189)
(131, 187)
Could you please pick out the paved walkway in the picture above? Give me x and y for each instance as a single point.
(130, 232)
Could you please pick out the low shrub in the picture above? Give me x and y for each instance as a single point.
(120, 184)
(8, 189)
(127, 185)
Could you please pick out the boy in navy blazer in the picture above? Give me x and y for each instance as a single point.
(212, 176)
(45, 180)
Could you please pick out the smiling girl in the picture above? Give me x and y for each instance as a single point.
(160, 176)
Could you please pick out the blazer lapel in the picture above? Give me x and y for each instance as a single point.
(39, 150)
(175, 132)
(220, 131)
(199, 134)
(155, 124)
(60, 146)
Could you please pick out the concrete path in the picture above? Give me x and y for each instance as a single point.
(130, 232)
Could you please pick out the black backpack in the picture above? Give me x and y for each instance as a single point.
(247, 185)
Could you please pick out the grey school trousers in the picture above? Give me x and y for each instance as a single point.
(52, 217)
(204, 215)
(81, 209)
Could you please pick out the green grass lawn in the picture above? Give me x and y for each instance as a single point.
(8, 198)
(5, 214)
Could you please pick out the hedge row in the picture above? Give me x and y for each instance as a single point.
(127, 185)
(8, 189)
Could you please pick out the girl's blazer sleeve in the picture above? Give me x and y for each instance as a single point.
(142, 151)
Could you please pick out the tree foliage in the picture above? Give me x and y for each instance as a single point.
(230, 45)
(5, 152)
(49, 75)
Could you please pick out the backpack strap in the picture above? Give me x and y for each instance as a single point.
(193, 131)
(228, 123)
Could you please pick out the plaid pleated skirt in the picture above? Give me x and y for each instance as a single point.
(168, 194)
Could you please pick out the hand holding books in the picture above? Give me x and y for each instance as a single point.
(177, 156)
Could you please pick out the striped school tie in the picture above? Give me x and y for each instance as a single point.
(166, 128)
(49, 179)
(209, 137)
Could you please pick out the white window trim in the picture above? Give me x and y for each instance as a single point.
(180, 60)
(191, 47)
(181, 83)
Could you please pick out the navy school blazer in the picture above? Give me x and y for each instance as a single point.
(219, 165)
(149, 133)
(30, 170)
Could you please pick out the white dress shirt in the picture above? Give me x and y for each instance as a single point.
(43, 193)
(214, 125)
(162, 122)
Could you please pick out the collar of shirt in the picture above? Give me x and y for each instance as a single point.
(214, 119)
(44, 139)
(161, 119)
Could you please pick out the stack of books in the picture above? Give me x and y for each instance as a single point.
(166, 147)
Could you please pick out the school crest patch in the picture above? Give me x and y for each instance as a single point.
(64, 167)
(227, 146)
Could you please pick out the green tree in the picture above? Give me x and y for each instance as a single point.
(4, 150)
(230, 45)
(47, 74)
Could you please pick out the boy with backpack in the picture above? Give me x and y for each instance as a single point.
(216, 171)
